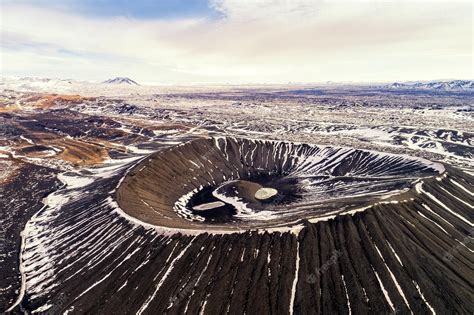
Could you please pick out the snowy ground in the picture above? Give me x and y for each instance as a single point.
(75, 148)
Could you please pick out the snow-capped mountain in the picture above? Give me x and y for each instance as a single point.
(122, 86)
(121, 80)
(435, 85)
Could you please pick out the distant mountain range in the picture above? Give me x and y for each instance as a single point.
(121, 80)
(37, 84)
(435, 85)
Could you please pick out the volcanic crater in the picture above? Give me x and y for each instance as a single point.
(236, 183)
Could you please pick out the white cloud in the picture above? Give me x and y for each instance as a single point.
(255, 41)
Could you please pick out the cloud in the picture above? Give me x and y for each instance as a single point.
(254, 41)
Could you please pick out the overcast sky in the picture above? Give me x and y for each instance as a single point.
(237, 41)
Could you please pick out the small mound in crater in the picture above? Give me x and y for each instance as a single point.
(209, 206)
(265, 193)
(233, 183)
